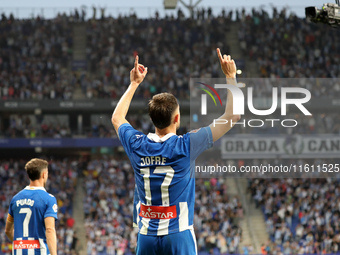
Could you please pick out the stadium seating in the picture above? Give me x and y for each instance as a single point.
(34, 57)
(284, 45)
(302, 216)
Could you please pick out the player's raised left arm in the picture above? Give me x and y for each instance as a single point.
(9, 229)
(51, 237)
(137, 75)
(229, 69)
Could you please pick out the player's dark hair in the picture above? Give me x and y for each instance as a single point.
(161, 108)
(34, 168)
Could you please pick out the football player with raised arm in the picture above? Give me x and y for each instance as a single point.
(32, 213)
(163, 164)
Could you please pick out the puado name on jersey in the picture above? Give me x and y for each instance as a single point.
(153, 160)
(25, 201)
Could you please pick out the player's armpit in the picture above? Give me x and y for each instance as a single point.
(51, 237)
(222, 125)
(117, 122)
(9, 229)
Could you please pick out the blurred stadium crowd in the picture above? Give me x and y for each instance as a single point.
(36, 53)
(35, 66)
(302, 217)
(288, 46)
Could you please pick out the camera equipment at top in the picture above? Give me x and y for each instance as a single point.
(329, 14)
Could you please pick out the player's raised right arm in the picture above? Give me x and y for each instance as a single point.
(137, 75)
(51, 237)
(229, 69)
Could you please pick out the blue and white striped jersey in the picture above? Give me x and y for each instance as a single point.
(164, 174)
(28, 209)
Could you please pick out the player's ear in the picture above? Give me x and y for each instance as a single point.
(44, 174)
(176, 118)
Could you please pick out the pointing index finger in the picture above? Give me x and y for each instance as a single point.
(219, 54)
(136, 63)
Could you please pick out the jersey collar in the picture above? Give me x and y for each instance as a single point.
(35, 188)
(154, 137)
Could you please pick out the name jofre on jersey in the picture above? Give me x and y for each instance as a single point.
(153, 160)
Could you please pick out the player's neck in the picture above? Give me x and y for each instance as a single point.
(165, 131)
(37, 183)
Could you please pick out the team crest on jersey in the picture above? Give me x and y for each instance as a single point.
(55, 208)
